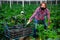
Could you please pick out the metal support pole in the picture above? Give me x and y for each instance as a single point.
(0, 2)
(23, 5)
(17, 2)
(7, 1)
(29, 2)
(56, 2)
(10, 3)
(36, 2)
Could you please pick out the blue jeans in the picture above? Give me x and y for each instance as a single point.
(36, 22)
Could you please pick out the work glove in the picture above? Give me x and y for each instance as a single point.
(28, 22)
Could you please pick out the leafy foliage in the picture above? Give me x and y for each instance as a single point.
(12, 17)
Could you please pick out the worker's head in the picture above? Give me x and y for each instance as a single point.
(43, 6)
(22, 12)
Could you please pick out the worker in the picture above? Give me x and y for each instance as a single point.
(39, 15)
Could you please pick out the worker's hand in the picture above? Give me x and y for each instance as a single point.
(49, 22)
(28, 22)
(48, 27)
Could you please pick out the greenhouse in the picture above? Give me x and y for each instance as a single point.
(14, 17)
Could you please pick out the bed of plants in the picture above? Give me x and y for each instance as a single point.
(7, 15)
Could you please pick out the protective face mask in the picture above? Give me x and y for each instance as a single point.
(43, 8)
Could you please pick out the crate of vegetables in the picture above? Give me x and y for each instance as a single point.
(19, 31)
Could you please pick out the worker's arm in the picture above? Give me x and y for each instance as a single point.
(34, 14)
(48, 16)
